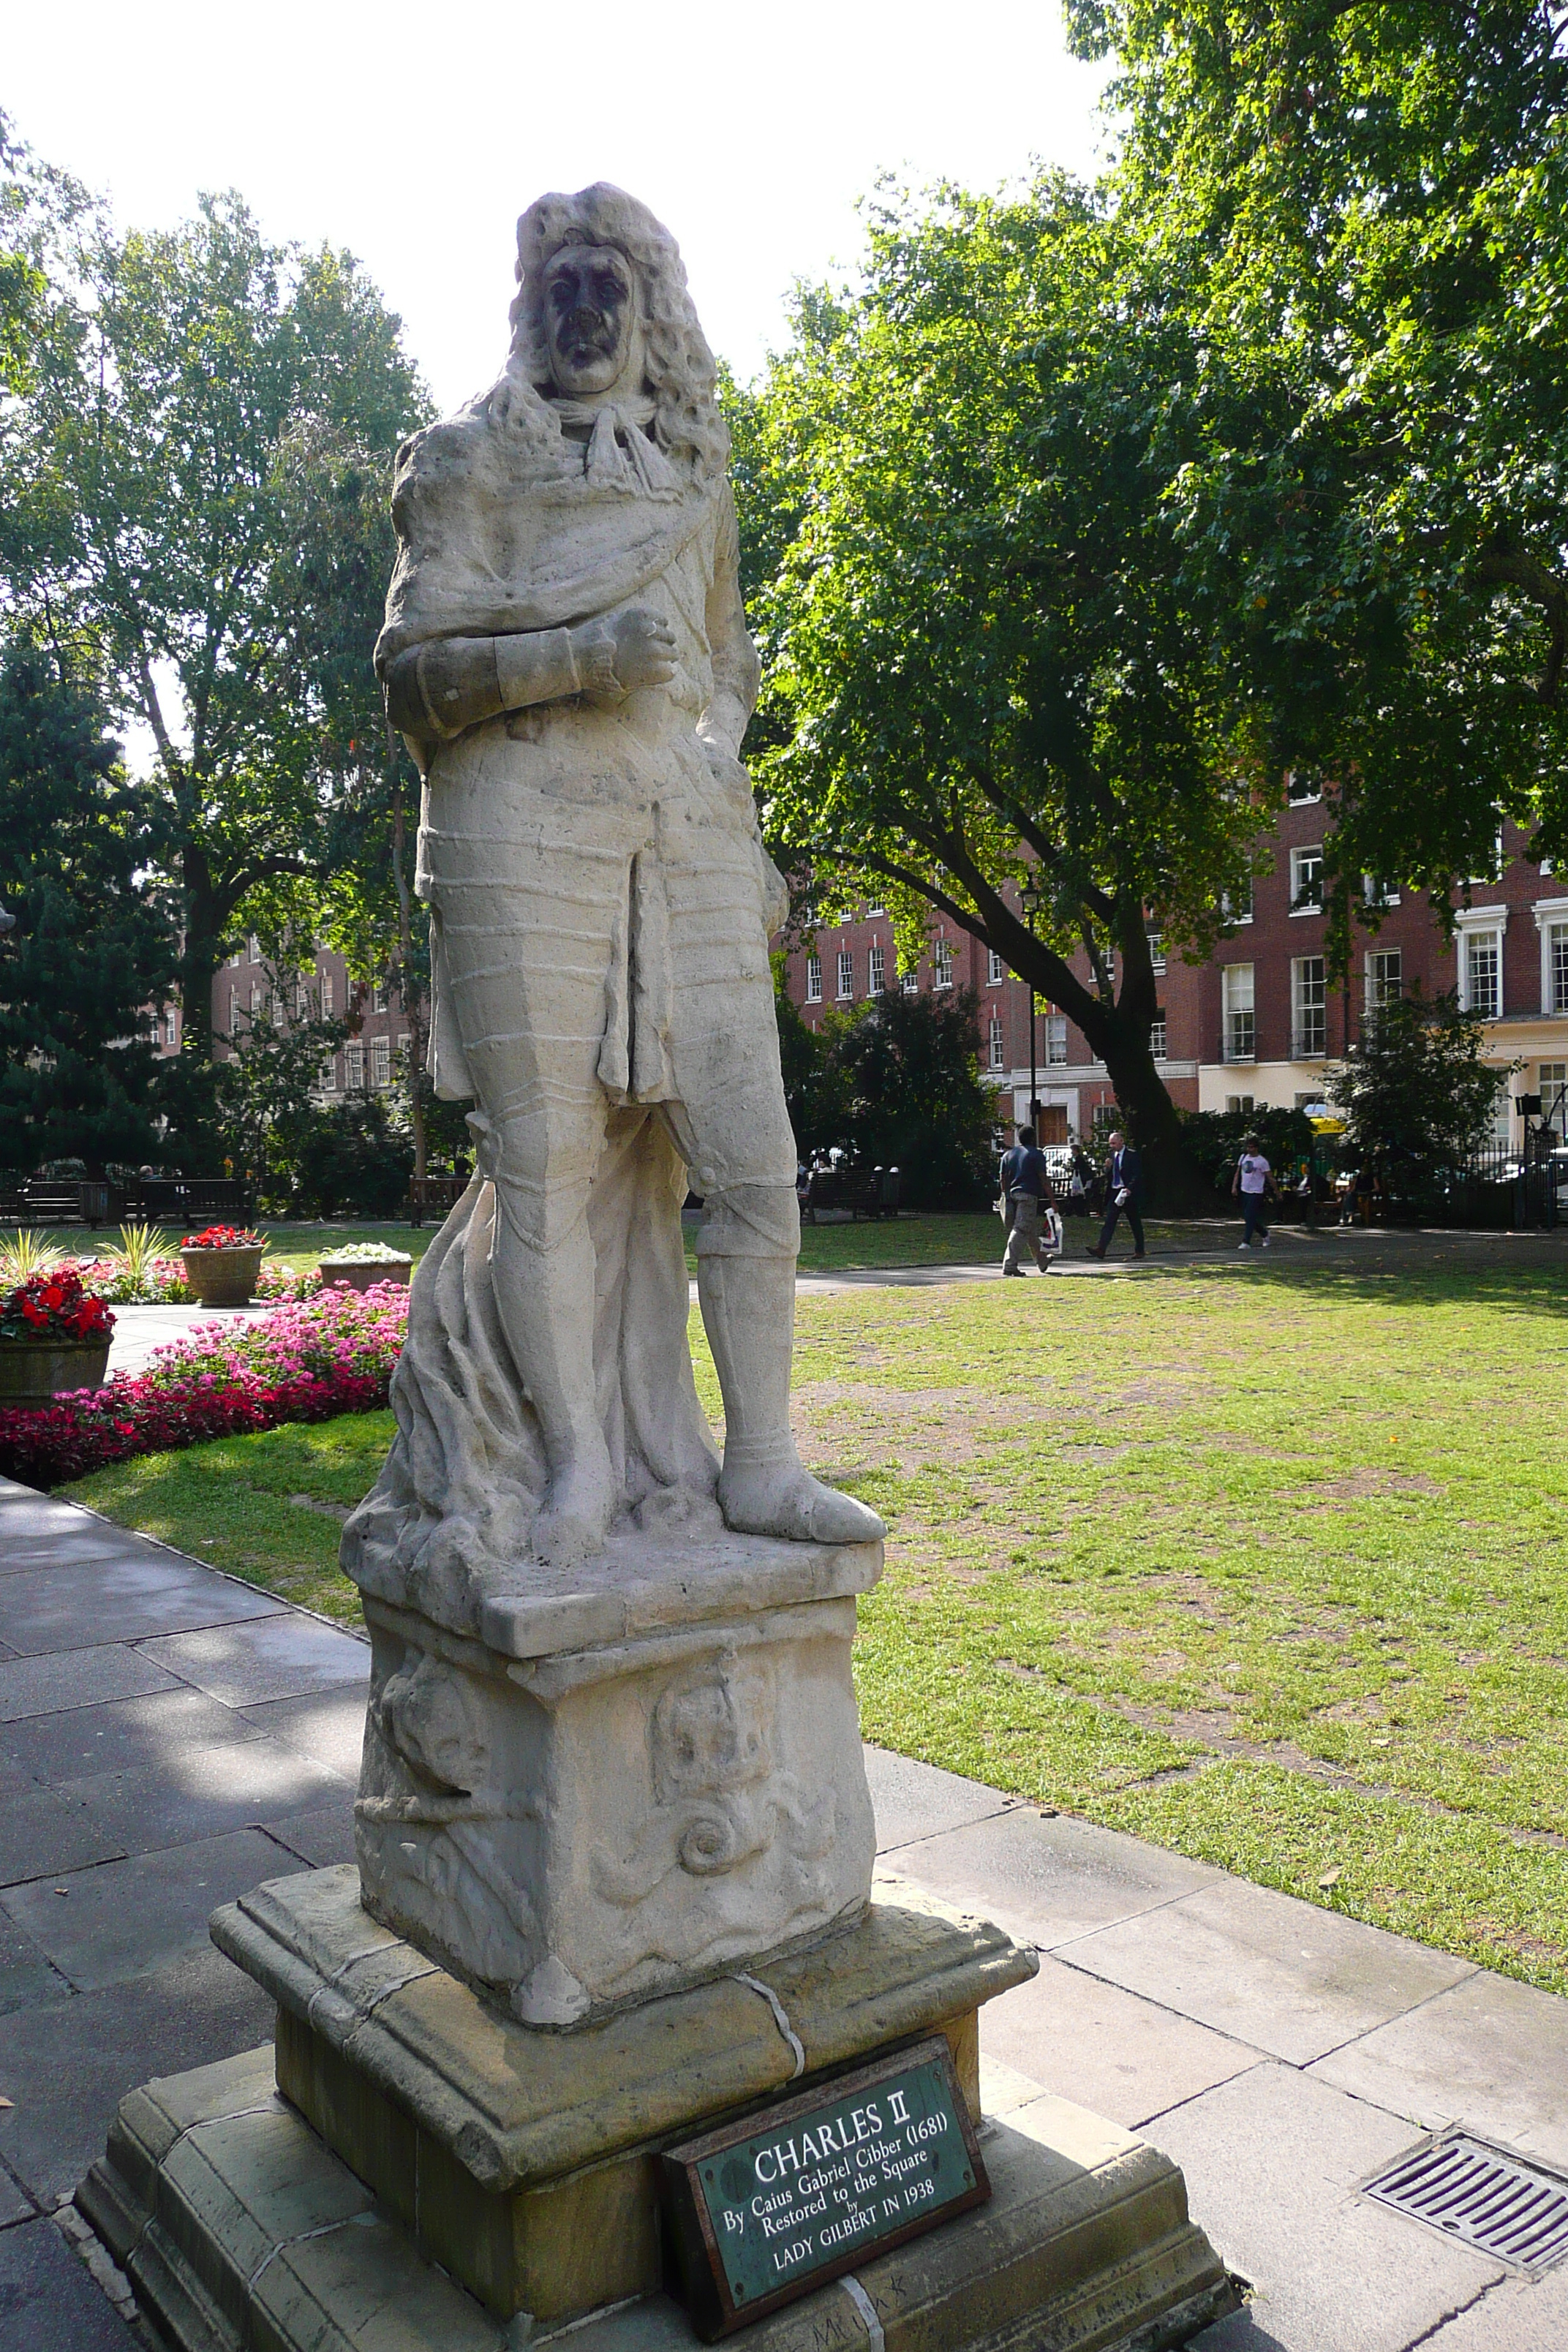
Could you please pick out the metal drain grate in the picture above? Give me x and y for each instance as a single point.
(1490, 2203)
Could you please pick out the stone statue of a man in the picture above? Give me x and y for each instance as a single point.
(566, 653)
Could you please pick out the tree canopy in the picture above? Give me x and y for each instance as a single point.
(94, 951)
(985, 665)
(193, 503)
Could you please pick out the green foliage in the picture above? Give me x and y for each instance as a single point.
(192, 484)
(983, 664)
(1215, 1139)
(353, 1158)
(266, 1090)
(1363, 212)
(1414, 1087)
(896, 1082)
(93, 948)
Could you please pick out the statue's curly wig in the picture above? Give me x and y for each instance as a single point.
(680, 368)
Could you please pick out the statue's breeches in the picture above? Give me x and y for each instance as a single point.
(601, 943)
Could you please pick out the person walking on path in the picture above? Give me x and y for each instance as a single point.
(1254, 1180)
(1025, 1195)
(1124, 1186)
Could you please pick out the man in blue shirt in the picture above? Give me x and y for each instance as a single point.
(1124, 1192)
(1026, 1192)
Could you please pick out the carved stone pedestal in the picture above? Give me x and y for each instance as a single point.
(423, 2173)
(609, 1783)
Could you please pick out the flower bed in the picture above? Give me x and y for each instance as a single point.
(330, 1354)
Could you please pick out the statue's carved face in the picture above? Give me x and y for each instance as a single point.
(590, 317)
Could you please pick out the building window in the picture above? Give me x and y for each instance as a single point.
(404, 1043)
(171, 1026)
(1239, 1042)
(1495, 874)
(910, 982)
(378, 997)
(233, 1010)
(1236, 906)
(814, 980)
(381, 1061)
(1378, 891)
(1384, 978)
(876, 970)
(942, 963)
(278, 1008)
(1555, 994)
(872, 912)
(1056, 1039)
(255, 995)
(1156, 951)
(1309, 1009)
(846, 972)
(996, 1048)
(1307, 881)
(1481, 965)
(326, 996)
(1301, 789)
(1234, 1102)
(995, 970)
(354, 1063)
(1553, 1086)
(330, 1074)
(1157, 1036)
(253, 946)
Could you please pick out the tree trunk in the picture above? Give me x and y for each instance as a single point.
(408, 993)
(201, 957)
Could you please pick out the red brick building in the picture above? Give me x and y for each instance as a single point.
(243, 986)
(1258, 1021)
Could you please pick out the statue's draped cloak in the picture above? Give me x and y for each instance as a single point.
(505, 525)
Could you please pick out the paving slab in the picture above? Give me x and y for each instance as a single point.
(1105, 2049)
(47, 2302)
(329, 1726)
(43, 1832)
(282, 1656)
(124, 1735)
(1489, 2052)
(132, 1597)
(914, 1801)
(324, 1838)
(1289, 1977)
(201, 1793)
(81, 1547)
(73, 1678)
(1519, 2315)
(27, 1975)
(68, 2063)
(1049, 1882)
(1273, 2162)
(126, 1918)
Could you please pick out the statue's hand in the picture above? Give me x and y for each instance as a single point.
(616, 657)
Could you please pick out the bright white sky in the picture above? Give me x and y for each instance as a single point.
(416, 135)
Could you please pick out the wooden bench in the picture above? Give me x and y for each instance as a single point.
(863, 1192)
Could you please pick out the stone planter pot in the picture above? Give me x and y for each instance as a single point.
(363, 1274)
(32, 1371)
(224, 1277)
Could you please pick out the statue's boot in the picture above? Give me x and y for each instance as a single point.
(748, 1310)
(545, 1298)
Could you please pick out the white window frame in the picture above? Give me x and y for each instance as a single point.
(326, 996)
(1377, 892)
(1238, 1043)
(380, 1062)
(846, 974)
(1375, 983)
(1156, 950)
(876, 969)
(910, 982)
(171, 1026)
(330, 1074)
(871, 912)
(813, 979)
(995, 970)
(1304, 979)
(353, 1065)
(1551, 921)
(1158, 1038)
(942, 964)
(1299, 800)
(1548, 1084)
(998, 1043)
(1299, 857)
(1228, 918)
(1470, 924)
(1055, 1040)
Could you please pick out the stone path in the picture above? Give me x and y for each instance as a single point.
(169, 1736)
(140, 1332)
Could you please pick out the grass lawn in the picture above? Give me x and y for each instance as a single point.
(1264, 1563)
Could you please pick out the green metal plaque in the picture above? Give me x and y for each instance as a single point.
(770, 2208)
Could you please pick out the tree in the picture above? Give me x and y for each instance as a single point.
(896, 1082)
(1413, 1088)
(1365, 211)
(983, 670)
(174, 498)
(94, 951)
(267, 1089)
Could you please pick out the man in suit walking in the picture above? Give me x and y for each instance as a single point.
(1123, 1192)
